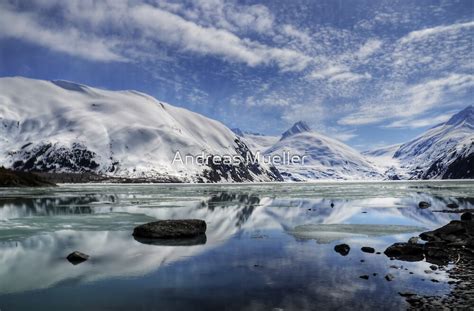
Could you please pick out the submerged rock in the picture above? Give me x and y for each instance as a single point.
(424, 204)
(365, 277)
(77, 257)
(367, 249)
(171, 229)
(342, 249)
(389, 277)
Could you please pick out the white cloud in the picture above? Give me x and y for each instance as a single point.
(338, 73)
(405, 102)
(295, 33)
(421, 122)
(68, 40)
(370, 47)
(423, 34)
(143, 26)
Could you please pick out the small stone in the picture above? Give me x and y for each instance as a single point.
(433, 267)
(332, 204)
(424, 204)
(413, 240)
(365, 277)
(452, 205)
(367, 249)
(378, 253)
(374, 274)
(362, 260)
(389, 277)
(434, 281)
(342, 249)
(77, 257)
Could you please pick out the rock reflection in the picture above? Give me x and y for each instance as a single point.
(197, 240)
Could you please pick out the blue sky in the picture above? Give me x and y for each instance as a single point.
(370, 73)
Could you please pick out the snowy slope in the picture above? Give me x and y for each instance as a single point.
(445, 151)
(387, 151)
(61, 126)
(255, 141)
(326, 158)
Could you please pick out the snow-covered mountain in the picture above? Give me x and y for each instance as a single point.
(324, 157)
(60, 126)
(445, 151)
(255, 141)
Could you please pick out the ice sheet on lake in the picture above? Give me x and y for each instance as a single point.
(327, 233)
(16, 229)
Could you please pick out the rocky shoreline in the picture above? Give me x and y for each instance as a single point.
(450, 244)
(11, 178)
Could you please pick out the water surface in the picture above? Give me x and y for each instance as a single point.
(268, 246)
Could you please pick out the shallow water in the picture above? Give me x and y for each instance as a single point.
(267, 246)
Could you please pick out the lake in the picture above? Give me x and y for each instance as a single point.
(267, 246)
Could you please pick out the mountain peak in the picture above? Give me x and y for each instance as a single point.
(297, 128)
(467, 114)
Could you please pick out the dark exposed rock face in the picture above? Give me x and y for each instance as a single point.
(48, 157)
(10, 178)
(77, 257)
(80, 163)
(461, 168)
(171, 229)
(342, 249)
(243, 172)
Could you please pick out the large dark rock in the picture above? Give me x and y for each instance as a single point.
(467, 216)
(342, 249)
(452, 232)
(405, 251)
(171, 229)
(77, 257)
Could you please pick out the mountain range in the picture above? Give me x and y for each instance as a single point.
(64, 127)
